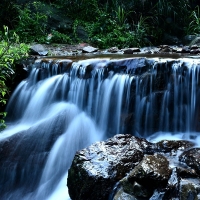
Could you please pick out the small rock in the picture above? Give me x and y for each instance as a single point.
(189, 189)
(173, 145)
(164, 46)
(152, 169)
(38, 49)
(166, 49)
(121, 195)
(195, 51)
(42, 53)
(191, 158)
(89, 49)
(131, 50)
(187, 172)
(81, 46)
(113, 50)
(194, 46)
(183, 50)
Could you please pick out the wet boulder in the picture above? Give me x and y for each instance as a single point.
(128, 167)
(189, 189)
(175, 188)
(151, 173)
(191, 158)
(153, 167)
(95, 170)
(182, 184)
(173, 146)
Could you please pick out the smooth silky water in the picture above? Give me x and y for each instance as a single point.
(52, 114)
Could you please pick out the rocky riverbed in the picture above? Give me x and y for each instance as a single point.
(85, 48)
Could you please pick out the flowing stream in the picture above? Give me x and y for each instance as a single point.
(64, 106)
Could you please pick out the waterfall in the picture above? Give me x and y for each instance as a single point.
(64, 106)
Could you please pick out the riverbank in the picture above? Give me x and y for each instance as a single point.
(85, 48)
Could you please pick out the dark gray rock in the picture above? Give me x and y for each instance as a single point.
(89, 49)
(113, 50)
(189, 189)
(121, 195)
(166, 49)
(172, 145)
(128, 167)
(38, 49)
(174, 189)
(152, 172)
(95, 170)
(191, 158)
(195, 51)
(153, 168)
(184, 49)
(131, 50)
(194, 46)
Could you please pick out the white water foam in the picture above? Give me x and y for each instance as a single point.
(81, 111)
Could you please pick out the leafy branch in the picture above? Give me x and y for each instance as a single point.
(10, 52)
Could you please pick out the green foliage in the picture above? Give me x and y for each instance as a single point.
(57, 37)
(107, 32)
(10, 52)
(103, 19)
(31, 23)
(194, 25)
(7, 13)
(121, 16)
(85, 10)
(141, 32)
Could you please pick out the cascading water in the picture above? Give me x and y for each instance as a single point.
(64, 106)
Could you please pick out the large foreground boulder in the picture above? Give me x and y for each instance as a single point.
(128, 167)
(96, 169)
